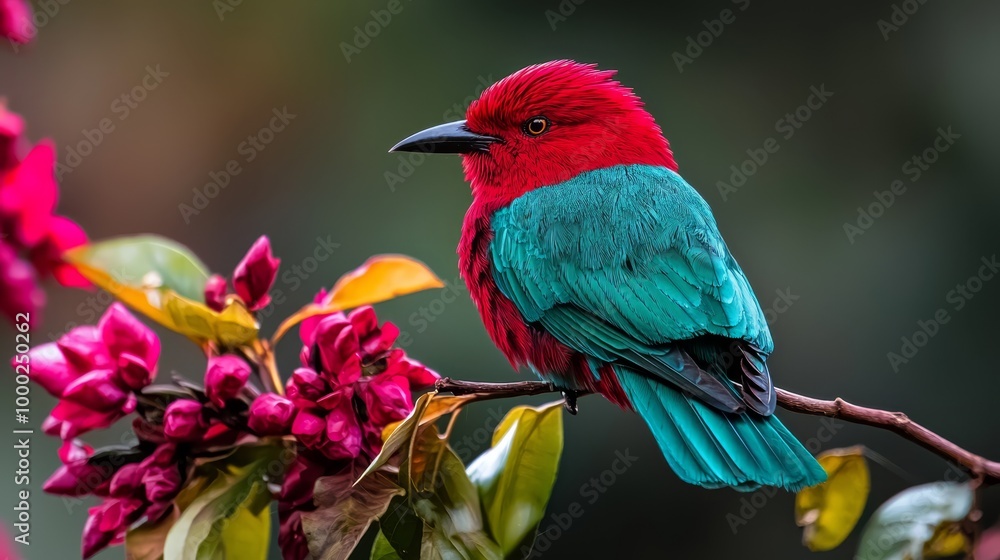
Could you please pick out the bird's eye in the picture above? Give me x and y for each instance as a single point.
(535, 126)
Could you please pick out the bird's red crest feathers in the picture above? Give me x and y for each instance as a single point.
(593, 122)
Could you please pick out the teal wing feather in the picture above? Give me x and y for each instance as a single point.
(637, 247)
(621, 262)
(625, 264)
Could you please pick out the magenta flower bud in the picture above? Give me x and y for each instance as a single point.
(271, 415)
(16, 21)
(124, 334)
(19, 288)
(340, 398)
(374, 340)
(64, 483)
(215, 292)
(337, 341)
(306, 385)
(183, 421)
(307, 328)
(387, 399)
(225, 378)
(77, 477)
(292, 538)
(162, 483)
(84, 349)
(343, 434)
(309, 429)
(108, 522)
(134, 372)
(49, 368)
(94, 538)
(419, 375)
(163, 455)
(97, 390)
(125, 482)
(300, 480)
(255, 274)
(69, 419)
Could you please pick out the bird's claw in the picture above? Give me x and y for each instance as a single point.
(570, 401)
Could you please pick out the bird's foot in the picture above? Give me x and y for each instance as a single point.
(570, 401)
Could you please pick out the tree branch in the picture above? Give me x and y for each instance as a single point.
(979, 467)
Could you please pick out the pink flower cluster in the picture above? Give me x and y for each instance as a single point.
(95, 372)
(98, 373)
(252, 279)
(132, 486)
(352, 384)
(32, 238)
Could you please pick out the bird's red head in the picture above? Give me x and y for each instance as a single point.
(546, 124)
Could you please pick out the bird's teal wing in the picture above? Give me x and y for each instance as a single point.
(624, 263)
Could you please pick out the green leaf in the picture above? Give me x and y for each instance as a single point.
(904, 526)
(145, 260)
(166, 282)
(229, 518)
(402, 528)
(443, 496)
(516, 475)
(345, 510)
(829, 511)
(382, 550)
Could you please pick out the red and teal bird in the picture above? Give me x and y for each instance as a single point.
(593, 263)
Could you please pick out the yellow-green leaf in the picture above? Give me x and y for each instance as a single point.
(164, 281)
(516, 475)
(143, 261)
(442, 494)
(234, 326)
(229, 517)
(948, 540)
(428, 408)
(380, 278)
(399, 437)
(382, 549)
(916, 519)
(829, 511)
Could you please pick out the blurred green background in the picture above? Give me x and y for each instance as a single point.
(322, 181)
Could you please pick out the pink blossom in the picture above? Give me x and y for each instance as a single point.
(255, 274)
(387, 398)
(309, 428)
(183, 420)
(215, 292)
(15, 21)
(225, 378)
(32, 238)
(271, 414)
(77, 476)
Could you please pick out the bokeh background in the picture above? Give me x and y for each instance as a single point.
(323, 181)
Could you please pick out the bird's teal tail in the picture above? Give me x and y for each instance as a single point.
(713, 449)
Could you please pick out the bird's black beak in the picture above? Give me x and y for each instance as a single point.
(450, 138)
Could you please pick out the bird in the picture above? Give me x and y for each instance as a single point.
(594, 264)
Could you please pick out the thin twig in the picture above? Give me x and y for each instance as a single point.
(979, 467)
